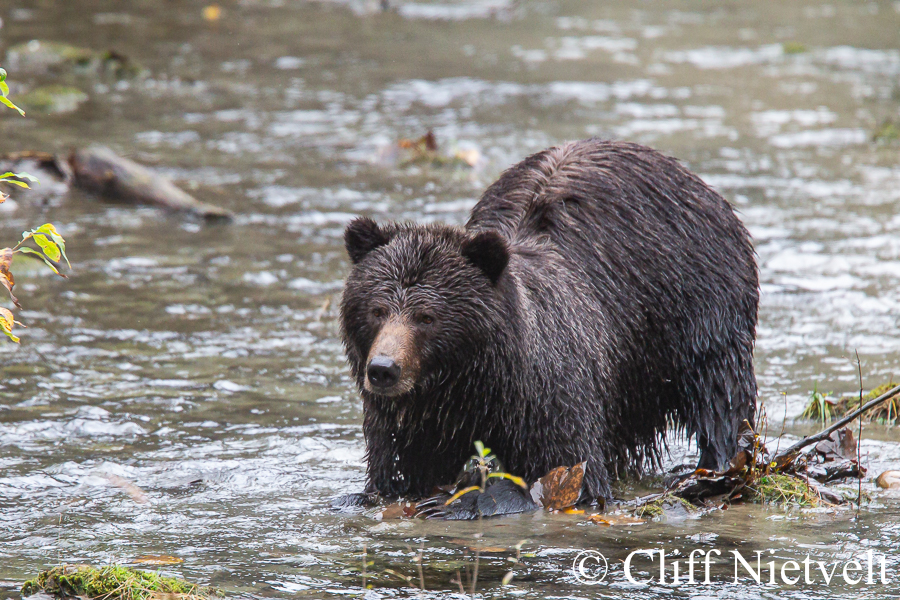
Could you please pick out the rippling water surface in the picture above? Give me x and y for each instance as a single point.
(202, 364)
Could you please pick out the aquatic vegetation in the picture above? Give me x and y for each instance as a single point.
(821, 407)
(784, 490)
(112, 583)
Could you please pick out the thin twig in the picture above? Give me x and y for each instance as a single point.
(477, 537)
(365, 558)
(458, 581)
(859, 438)
(812, 439)
(783, 423)
(421, 572)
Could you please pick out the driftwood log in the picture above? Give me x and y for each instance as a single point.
(100, 170)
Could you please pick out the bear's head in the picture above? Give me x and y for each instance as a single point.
(419, 304)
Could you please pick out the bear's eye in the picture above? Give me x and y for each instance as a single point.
(378, 313)
(426, 319)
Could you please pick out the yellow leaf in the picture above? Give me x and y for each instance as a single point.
(515, 479)
(6, 324)
(49, 247)
(158, 560)
(212, 12)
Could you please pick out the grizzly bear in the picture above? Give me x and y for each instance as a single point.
(598, 294)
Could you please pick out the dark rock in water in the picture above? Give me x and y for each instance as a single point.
(499, 497)
(354, 501)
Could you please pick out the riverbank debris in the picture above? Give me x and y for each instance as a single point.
(426, 152)
(822, 407)
(101, 171)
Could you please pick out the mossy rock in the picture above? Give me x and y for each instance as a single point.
(37, 57)
(664, 507)
(888, 132)
(113, 583)
(821, 407)
(55, 99)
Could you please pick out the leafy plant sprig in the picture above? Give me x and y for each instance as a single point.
(51, 247)
(4, 92)
(50, 244)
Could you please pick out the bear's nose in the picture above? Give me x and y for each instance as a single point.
(383, 372)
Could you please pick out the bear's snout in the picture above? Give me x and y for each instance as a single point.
(383, 372)
(393, 363)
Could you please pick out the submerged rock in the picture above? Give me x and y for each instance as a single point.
(53, 99)
(38, 57)
(889, 480)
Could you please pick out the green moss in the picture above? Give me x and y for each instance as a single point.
(53, 99)
(38, 57)
(784, 490)
(111, 583)
(665, 503)
(793, 48)
(887, 132)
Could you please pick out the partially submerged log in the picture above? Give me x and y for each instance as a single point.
(100, 170)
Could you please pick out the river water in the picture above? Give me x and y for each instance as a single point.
(201, 363)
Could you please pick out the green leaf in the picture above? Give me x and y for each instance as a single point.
(50, 229)
(49, 247)
(30, 178)
(8, 102)
(18, 183)
(27, 250)
(479, 449)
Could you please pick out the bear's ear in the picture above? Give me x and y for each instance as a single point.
(362, 236)
(487, 251)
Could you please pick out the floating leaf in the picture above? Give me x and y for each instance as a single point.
(615, 520)
(212, 12)
(136, 493)
(158, 560)
(560, 488)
